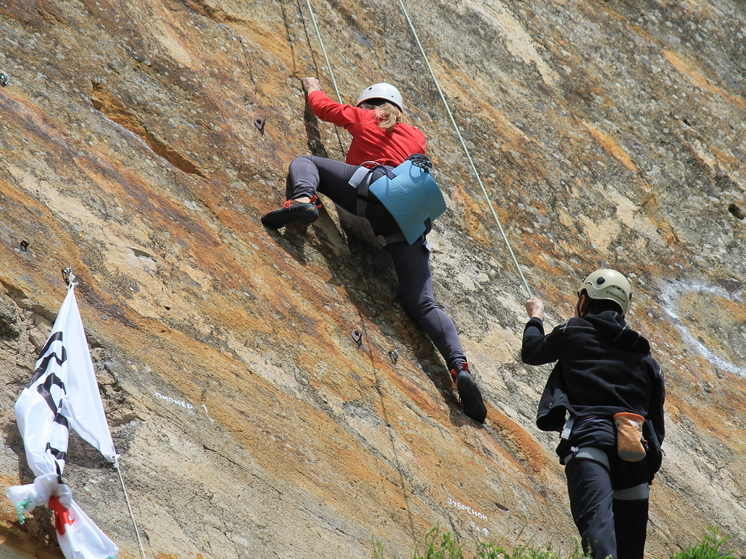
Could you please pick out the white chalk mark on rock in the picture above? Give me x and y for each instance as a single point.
(670, 294)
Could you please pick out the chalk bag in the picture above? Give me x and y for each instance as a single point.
(629, 437)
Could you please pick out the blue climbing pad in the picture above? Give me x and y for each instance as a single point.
(412, 196)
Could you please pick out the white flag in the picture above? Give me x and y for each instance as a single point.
(63, 393)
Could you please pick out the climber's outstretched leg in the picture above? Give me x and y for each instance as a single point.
(412, 265)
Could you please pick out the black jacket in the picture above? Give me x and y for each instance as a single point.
(603, 367)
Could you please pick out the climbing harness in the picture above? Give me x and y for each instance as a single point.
(588, 453)
(466, 149)
(636, 493)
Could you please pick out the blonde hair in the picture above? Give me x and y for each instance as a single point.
(388, 116)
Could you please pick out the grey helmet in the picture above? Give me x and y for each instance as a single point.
(610, 285)
(384, 91)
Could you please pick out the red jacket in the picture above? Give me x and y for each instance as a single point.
(369, 142)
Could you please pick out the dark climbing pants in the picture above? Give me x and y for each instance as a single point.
(608, 527)
(310, 174)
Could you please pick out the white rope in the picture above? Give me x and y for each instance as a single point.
(370, 351)
(129, 507)
(450, 116)
(329, 69)
(323, 50)
(466, 150)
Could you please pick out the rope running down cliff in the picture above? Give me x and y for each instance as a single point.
(377, 379)
(326, 59)
(466, 150)
(453, 122)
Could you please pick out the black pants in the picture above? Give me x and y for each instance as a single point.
(608, 527)
(310, 174)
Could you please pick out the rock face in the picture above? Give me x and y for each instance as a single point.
(141, 141)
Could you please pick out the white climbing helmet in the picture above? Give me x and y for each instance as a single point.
(609, 285)
(384, 91)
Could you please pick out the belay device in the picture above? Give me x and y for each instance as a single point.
(411, 196)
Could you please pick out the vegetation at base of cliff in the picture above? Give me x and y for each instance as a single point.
(708, 548)
(439, 544)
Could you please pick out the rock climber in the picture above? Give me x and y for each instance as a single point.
(380, 143)
(605, 395)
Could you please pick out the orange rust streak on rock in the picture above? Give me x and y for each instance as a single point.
(610, 145)
(520, 440)
(697, 79)
(105, 102)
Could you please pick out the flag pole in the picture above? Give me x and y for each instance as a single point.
(69, 276)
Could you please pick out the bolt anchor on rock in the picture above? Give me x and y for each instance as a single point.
(357, 336)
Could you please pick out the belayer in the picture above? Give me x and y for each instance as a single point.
(605, 395)
(386, 179)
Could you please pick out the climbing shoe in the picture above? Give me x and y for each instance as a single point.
(292, 210)
(469, 393)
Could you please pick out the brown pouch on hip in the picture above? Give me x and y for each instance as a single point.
(629, 438)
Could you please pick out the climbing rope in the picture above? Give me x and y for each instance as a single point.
(129, 507)
(450, 116)
(359, 336)
(323, 49)
(466, 149)
(326, 60)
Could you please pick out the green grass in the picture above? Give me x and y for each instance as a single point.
(708, 548)
(438, 544)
